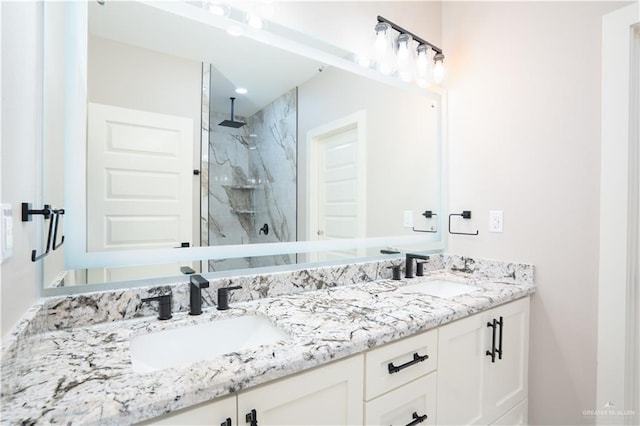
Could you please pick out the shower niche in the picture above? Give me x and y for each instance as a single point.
(249, 175)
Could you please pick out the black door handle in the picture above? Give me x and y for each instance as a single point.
(492, 352)
(417, 419)
(416, 359)
(501, 323)
(252, 418)
(227, 422)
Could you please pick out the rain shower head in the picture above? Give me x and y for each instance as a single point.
(232, 122)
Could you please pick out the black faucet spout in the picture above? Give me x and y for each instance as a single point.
(411, 257)
(196, 284)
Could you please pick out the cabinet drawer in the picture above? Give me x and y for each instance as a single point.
(398, 406)
(393, 365)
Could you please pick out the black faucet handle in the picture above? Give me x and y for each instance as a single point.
(164, 305)
(395, 270)
(223, 297)
(198, 281)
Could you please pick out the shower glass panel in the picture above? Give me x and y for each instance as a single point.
(251, 175)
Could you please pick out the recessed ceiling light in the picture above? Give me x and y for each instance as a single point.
(241, 91)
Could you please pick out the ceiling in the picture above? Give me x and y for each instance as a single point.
(266, 72)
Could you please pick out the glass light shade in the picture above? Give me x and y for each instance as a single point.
(217, 8)
(424, 68)
(438, 68)
(384, 48)
(404, 57)
(254, 21)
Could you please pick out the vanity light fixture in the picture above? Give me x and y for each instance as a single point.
(422, 63)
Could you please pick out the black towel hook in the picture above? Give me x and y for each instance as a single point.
(466, 214)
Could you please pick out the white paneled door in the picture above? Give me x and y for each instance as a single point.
(139, 180)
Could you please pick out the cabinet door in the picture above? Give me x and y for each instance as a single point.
(328, 395)
(508, 384)
(461, 371)
(213, 412)
(413, 402)
(517, 416)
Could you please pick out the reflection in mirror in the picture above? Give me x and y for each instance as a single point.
(323, 154)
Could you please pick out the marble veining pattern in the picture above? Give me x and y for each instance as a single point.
(83, 374)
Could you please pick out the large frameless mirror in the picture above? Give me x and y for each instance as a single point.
(188, 147)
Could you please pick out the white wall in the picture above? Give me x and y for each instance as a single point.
(524, 112)
(21, 132)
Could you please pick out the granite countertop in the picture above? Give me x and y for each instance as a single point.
(84, 374)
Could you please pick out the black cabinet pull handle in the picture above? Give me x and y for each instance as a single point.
(252, 418)
(492, 352)
(501, 323)
(417, 419)
(416, 359)
(226, 422)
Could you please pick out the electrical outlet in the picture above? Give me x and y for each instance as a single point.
(496, 220)
(408, 219)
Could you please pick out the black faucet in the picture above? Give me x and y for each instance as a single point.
(164, 305)
(197, 283)
(223, 297)
(408, 269)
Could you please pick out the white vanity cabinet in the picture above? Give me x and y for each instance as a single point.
(483, 362)
(214, 412)
(400, 382)
(330, 395)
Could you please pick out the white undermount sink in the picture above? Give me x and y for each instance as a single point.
(182, 346)
(439, 288)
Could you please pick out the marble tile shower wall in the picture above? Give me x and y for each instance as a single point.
(252, 182)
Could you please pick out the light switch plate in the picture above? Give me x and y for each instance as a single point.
(6, 232)
(496, 221)
(408, 219)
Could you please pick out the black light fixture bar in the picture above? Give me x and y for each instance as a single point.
(401, 30)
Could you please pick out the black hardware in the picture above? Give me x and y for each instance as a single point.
(415, 37)
(416, 359)
(252, 418)
(184, 245)
(417, 419)
(264, 230)
(196, 172)
(57, 214)
(196, 284)
(164, 305)
(466, 214)
(395, 270)
(48, 213)
(501, 323)
(223, 297)
(187, 270)
(492, 352)
(389, 251)
(27, 212)
(428, 214)
(420, 268)
(227, 422)
(408, 269)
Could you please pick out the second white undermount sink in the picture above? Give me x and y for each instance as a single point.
(182, 346)
(439, 288)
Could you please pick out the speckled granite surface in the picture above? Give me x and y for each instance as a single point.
(78, 370)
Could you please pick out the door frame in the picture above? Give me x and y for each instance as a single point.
(359, 121)
(618, 299)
